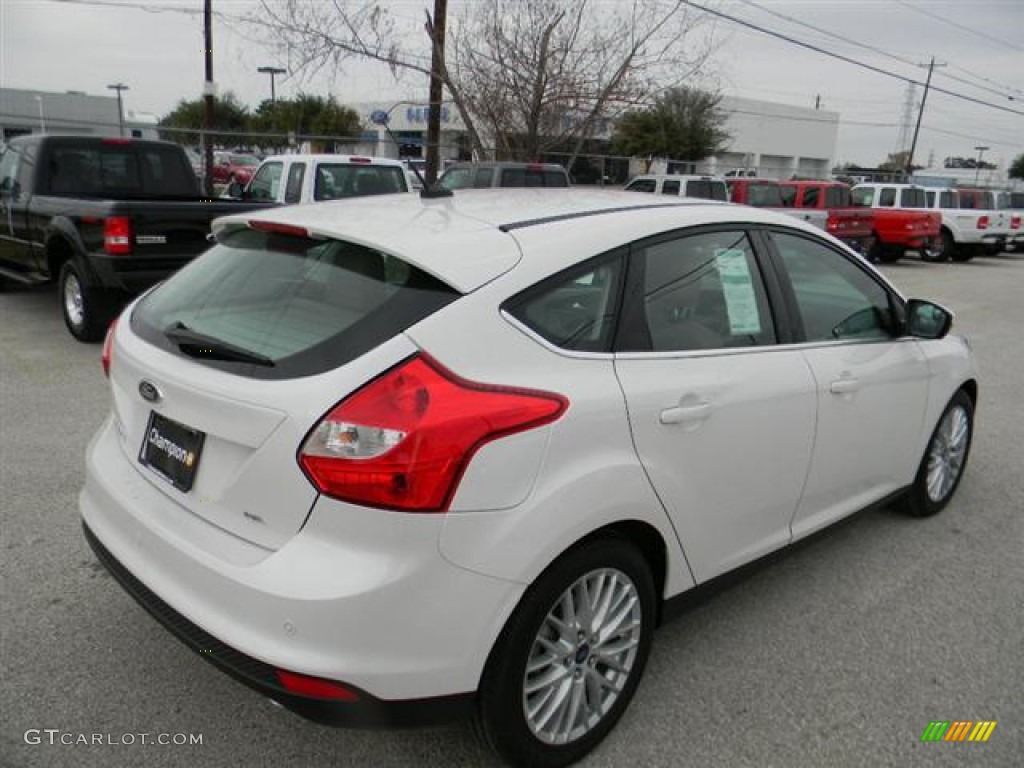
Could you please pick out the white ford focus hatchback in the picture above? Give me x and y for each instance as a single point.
(394, 461)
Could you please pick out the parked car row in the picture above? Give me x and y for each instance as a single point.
(881, 220)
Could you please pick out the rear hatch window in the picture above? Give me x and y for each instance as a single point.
(707, 189)
(271, 305)
(339, 180)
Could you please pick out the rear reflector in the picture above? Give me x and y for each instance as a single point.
(315, 687)
(108, 348)
(117, 235)
(404, 440)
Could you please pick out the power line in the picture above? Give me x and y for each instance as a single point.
(847, 59)
(959, 26)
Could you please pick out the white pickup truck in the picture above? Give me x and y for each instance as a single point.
(966, 232)
(297, 179)
(997, 223)
(1013, 204)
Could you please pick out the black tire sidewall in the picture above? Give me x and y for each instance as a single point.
(501, 720)
(919, 504)
(91, 328)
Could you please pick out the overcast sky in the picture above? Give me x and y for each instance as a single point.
(155, 47)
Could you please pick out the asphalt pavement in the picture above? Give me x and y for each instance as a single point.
(838, 654)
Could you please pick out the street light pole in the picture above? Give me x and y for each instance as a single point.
(977, 168)
(42, 122)
(120, 106)
(272, 71)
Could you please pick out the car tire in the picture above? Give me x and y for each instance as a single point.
(85, 312)
(949, 250)
(548, 652)
(944, 460)
(889, 254)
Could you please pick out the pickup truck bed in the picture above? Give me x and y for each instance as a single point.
(106, 218)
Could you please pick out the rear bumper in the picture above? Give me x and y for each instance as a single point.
(367, 712)
(357, 596)
(134, 274)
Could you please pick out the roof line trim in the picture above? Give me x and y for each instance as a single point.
(582, 214)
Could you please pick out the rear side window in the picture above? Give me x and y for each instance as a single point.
(293, 189)
(340, 180)
(947, 199)
(458, 178)
(837, 197)
(483, 178)
(127, 171)
(642, 185)
(292, 306)
(887, 197)
(532, 177)
(704, 292)
(863, 197)
(670, 187)
(574, 310)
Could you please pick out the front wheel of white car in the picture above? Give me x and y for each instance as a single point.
(944, 460)
(570, 658)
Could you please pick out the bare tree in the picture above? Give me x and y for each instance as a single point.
(535, 74)
(549, 74)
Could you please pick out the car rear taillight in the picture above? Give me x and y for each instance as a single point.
(1015, 222)
(404, 440)
(983, 222)
(832, 223)
(280, 229)
(117, 235)
(108, 348)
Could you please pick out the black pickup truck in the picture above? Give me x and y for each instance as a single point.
(105, 218)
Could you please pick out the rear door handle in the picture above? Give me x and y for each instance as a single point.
(844, 386)
(685, 414)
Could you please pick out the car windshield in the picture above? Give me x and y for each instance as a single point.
(302, 305)
(338, 180)
(457, 178)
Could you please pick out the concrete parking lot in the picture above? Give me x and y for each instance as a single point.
(838, 654)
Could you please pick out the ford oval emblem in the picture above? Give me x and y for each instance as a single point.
(149, 391)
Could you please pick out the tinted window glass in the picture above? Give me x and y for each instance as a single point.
(339, 180)
(127, 171)
(704, 292)
(306, 305)
(483, 178)
(642, 185)
(266, 182)
(575, 311)
(948, 199)
(762, 195)
(811, 197)
(707, 190)
(912, 198)
(835, 297)
(670, 187)
(887, 197)
(788, 196)
(837, 197)
(8, 172)
(293, 190)
(457, 178)
(863, 197)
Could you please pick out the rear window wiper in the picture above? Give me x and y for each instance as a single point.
(195, 344)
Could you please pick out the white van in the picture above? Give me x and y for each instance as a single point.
(705, 187)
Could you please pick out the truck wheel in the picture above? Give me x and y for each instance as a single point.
(889, 254)
(85, 313)
(950, 251)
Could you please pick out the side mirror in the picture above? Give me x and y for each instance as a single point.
(928, 320)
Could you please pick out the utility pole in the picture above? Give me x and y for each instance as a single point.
(920, 113)
(120, 106)
(435, 27)
(208, 91)
(977, 168)
(272, 71)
